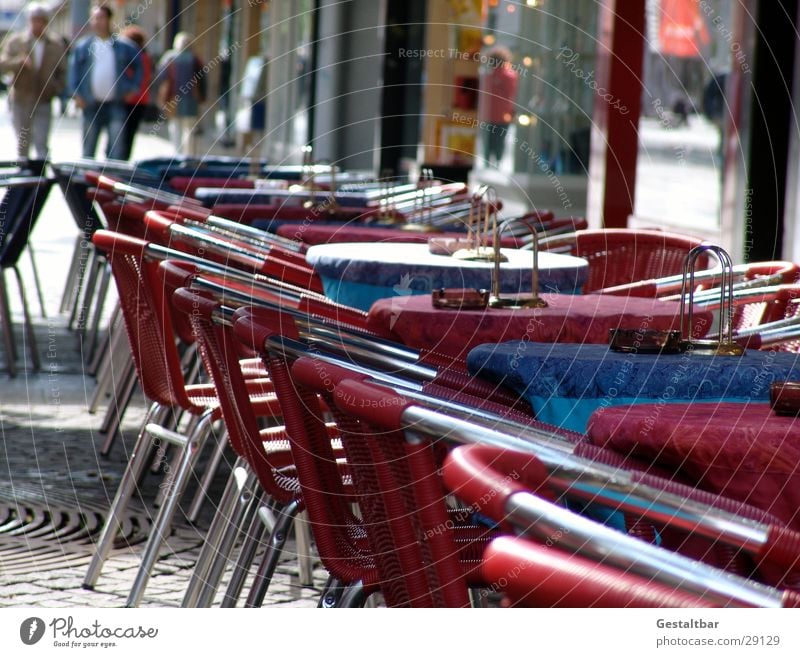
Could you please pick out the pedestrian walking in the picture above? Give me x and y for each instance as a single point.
(35, 59)
(181, 87)
(136, 104)
(104, 72)
(498, 102)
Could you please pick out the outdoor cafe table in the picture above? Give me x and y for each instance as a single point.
(358, 274)
(742, 451)
(566, 383)
(325, 232)
(414, 321)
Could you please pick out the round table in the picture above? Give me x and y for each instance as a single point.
(414, 321)
(358, 274)
(566, 383)
(322, 232)
(742, 451)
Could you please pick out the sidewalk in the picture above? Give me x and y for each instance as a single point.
(55, 487)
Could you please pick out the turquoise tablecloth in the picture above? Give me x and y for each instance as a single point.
(565, 383)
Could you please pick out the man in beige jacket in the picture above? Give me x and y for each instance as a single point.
(37, 63)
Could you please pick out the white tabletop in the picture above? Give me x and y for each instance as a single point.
(329, 257)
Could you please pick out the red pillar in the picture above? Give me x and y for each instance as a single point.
(612, 165)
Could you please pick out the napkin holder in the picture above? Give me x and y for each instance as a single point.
(518, 301)
(724, 345)
(681, 341)
(425, 223)
(481, 224)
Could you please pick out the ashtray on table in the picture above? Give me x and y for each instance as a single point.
(646, 341)
(464, 299)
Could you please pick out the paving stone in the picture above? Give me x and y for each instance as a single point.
(21, 589)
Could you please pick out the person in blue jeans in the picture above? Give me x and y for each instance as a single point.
(104, 72)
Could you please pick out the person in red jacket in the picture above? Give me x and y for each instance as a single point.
(135, 105)
(499, 95)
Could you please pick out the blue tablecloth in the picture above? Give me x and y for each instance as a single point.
(358, 274)
(565, 383)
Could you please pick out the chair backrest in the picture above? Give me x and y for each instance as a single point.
(74, 188)
(341, 541)
(148, 321)
(791, 311)
(774, 304)
(19, 209)
(402, 499)
(219, 351)
(231, 251)
(619, 256)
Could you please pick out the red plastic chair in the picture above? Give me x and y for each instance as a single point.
(782, 333)
(404, 522)
(775, 558)
(343, 546)
(744, 276)
(533, 575)
(514, 489)
(234, 252)
(152, 341)
(429, 552)
(266, 451)
(619, 256)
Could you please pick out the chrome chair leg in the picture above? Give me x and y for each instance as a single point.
(302, 537)
(135, 467)
(208, 476)
(68, 296)
(86, 291)
(337, 595)
(110, 342)
(262, 522)
(211, 543)
(8, 327)
(36, 280)
(245, 508)
(116, 409)
(102, 294)
(28, 330)
(277, 541)
(177, 484)
(117, 359)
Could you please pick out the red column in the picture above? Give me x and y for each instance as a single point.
(612, 164)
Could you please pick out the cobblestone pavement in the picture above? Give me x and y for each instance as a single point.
(55, 487)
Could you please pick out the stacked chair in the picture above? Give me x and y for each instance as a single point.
(422, 486)
(24, 188)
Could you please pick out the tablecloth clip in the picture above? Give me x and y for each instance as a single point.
(724, 344)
